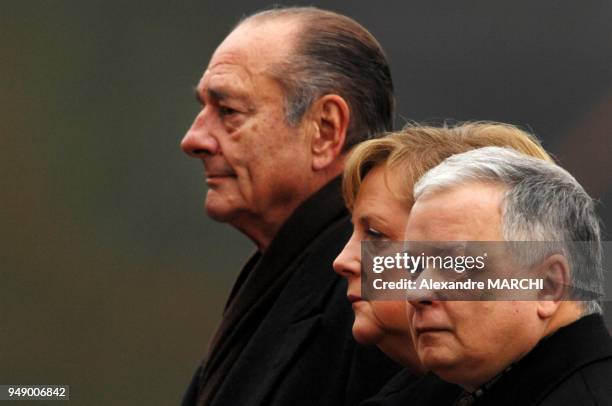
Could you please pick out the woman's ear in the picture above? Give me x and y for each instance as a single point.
(555, 272)
(331, 116)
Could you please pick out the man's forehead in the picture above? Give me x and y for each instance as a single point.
(470, 196)
(466, 209)
(224, 80)
(245, 55)
(256, 45)
(224, 74)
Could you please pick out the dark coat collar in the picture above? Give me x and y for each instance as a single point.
(265, 277)
(265, 270)
(554, 359)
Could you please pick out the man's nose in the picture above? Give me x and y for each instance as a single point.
(199, 140)
(421, 295)
(348, 262)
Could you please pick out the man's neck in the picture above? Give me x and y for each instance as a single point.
(262, 230)
(568, 312)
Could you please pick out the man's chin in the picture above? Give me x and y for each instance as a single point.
(219, 212)
(442, 364)
(216, 216)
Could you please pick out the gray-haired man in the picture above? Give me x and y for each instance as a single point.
(284, 98)
(545, 351)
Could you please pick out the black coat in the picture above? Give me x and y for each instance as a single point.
(285, 338)
(571, 367)
(407, 390)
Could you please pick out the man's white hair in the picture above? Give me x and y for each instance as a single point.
(542, 202)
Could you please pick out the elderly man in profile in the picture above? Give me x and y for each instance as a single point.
(552, 350)
(284, 97)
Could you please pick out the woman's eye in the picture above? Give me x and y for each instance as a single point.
(375, 234)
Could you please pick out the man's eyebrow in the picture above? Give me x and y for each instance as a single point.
(215, 94)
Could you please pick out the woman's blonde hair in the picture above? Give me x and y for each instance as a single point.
(416, 149)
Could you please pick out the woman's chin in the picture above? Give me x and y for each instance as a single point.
(365, 333)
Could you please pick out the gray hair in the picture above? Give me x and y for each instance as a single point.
(334, 55)
(543, 202)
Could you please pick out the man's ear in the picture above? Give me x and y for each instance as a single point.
(331, 116)
(555, 272)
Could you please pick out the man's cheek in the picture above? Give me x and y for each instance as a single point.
(409, 311)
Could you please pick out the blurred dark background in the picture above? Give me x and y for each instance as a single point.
(111, 277)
